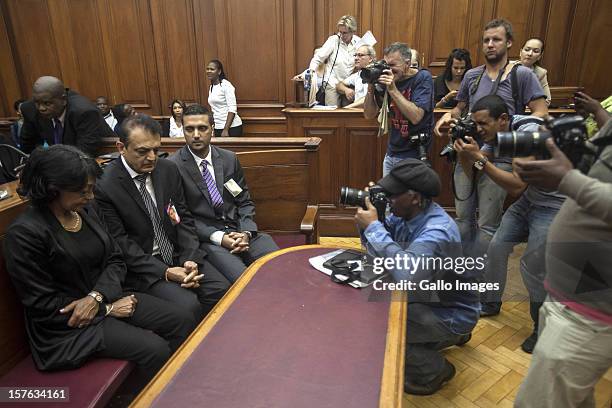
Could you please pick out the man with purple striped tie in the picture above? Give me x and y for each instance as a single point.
(218, 197)
(142, 201)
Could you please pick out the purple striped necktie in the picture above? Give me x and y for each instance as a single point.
(215, 196)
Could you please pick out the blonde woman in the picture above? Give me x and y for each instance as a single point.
(531, 55)
(338, 50)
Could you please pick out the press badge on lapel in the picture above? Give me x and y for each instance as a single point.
(173, 214)
(233, 187)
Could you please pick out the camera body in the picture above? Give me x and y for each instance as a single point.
(568, 132)
(378, 198)
(464, 127)
(372, 72)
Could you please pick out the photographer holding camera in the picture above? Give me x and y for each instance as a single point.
(416, 230)
(574, 348)
(526, 220)
(411, 106)
(518, 87)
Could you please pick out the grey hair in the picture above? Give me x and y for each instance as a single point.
(349, 22)
(371, 50)
(403, 49)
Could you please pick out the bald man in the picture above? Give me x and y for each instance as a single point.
(57, 115)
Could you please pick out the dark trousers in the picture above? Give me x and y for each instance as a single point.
(426, 335)
(233, 265)
(233, 131)
(197, 301)
(150, 336)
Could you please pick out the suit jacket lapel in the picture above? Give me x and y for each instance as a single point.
(128, 184)
(159, 196)
(194, 173)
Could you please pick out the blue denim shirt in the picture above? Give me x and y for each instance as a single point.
(432, 233)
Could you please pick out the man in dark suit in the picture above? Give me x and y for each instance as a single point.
(58, 115)
(218, 197)
(142, 201)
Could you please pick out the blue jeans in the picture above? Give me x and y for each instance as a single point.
(390, 161)
(487, 201)
(522, 222)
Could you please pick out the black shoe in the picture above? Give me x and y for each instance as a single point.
(464, 339)
(490, 309)
(529, 343)
(448, 372)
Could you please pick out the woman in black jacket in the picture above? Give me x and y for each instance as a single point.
(68, 273)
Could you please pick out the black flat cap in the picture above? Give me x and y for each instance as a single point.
(411, 174)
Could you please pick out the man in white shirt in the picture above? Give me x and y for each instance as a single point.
(338, 50)
(353, 87)
(105, 110)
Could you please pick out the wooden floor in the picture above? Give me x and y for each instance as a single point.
(492, 365)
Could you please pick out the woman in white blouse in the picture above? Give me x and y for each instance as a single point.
(174, 126)
(222, 101)
(531, 55)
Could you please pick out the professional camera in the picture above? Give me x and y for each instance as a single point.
(568, 132)
(378, 198)
(372, 72)
(464, 127)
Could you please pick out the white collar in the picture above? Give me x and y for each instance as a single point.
(199, 160)
(130, 170)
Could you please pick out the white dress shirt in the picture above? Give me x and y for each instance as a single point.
(222, 100)
(345, 62)
(111, 120)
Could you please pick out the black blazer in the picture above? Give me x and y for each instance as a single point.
(84, 126)
(128, 220)
(42, 263)
(238, 212)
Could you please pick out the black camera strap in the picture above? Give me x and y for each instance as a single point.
(472, 189)
(323, 83)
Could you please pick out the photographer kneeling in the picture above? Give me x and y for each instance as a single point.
(527, 219)
(419, 230)
(411, 106)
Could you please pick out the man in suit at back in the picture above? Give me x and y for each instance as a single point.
(218, 197)
(142, 201)
(58, 115)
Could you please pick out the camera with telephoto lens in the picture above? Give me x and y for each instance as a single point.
(372, 72)
(568, 132)
(378, 198)
(464, 127)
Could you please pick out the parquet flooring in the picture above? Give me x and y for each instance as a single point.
(492, 365)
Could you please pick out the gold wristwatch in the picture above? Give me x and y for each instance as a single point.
(97, 296)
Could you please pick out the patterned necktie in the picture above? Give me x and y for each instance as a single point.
(159, 235)
(58, 131)
(215, 196)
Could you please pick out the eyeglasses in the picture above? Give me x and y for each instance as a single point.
(360, 55)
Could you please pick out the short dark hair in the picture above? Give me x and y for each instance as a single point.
(197, 109)
(54, 169)
(500, 22)
(492, 103)
(460, 54)
(17, 103)
(140, 120)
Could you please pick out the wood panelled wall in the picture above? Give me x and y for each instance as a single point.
(146, 52)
